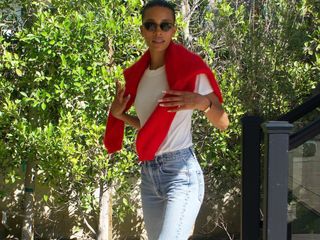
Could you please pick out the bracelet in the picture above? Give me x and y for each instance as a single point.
(209, 107)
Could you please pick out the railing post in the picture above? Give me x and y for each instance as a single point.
(250, 178)
(276, 180)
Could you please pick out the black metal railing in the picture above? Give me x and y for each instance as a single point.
(277, 141)
(275, 183)
(302, 110)
(250, 180)
(308, 132)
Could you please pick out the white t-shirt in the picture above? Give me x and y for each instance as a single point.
(149, 91)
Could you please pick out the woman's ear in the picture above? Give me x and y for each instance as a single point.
(174, 30)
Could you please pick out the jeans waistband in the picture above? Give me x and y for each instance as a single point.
(167, 155)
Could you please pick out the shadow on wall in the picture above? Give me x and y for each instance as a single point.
(51, 222)
(219, 216)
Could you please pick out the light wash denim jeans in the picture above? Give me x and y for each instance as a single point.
(172, 190)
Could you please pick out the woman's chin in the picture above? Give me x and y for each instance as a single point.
(158, 46)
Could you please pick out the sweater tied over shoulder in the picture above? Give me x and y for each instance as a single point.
(182, 67)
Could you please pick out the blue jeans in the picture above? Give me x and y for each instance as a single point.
(172, 190)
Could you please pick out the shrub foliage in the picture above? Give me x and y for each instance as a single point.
(59, 62)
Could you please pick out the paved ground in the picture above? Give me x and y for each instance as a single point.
(306, 237)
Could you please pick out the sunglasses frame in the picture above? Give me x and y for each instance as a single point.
(152, 26)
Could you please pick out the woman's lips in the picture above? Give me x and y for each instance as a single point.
(158, 41)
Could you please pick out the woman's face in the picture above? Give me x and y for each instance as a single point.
(158, 28)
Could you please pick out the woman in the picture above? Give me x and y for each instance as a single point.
(165, 85)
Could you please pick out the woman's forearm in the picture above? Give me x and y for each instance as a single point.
(216, 115)
(130, 120)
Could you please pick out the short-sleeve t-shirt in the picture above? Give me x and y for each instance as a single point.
(150, 90)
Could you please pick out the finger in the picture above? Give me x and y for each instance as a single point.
(117, 87)
(174, 92)
(171, 104)
(170, 99)
(127, 99)
(174, 110)
(177, 109)
(121, 93)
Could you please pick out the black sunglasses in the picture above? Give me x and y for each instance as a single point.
(152, 26)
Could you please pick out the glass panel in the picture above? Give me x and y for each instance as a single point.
(304, 191)
(306, 119)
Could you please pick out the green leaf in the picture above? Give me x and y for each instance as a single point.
(43, 106)
(63, 60)
(24, 94)
(19, 72)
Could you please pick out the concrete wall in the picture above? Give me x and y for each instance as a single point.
(219, 213)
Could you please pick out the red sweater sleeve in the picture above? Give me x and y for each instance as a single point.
(114, 134)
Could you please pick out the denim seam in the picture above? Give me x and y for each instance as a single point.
(162, 219)
(182, 213)
(184, 206)
(200, 183)
(154, 182)
(193, 153)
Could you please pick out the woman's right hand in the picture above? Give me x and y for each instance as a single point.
(120, 102)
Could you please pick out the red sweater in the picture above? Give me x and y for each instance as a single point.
(182, 67)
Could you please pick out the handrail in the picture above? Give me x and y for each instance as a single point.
(308, 132)
(301, 110)
(275, 190)
(276, 169)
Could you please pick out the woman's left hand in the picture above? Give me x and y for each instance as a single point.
(182, 100)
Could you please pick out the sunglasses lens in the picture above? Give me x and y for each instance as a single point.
(165, 26)
(150, 26)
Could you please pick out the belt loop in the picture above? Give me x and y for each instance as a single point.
(141, 163)
(191, 151)
(158, 160)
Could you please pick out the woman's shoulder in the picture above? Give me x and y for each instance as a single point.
(186, 57)
(186, 53)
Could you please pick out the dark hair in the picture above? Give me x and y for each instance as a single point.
(159, 3)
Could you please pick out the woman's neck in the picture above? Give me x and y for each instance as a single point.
(157, 60)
